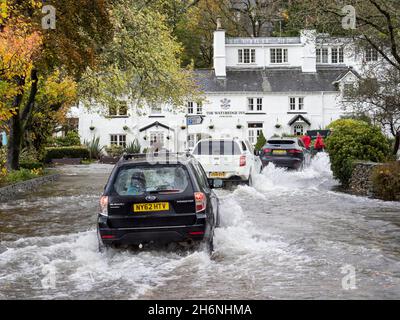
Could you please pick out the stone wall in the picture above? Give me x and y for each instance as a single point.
(361, 183)
(8, 192)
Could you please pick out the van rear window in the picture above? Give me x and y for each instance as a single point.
(217, 148)
(281, 142)
(139, 180)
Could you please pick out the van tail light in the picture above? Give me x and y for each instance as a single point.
(104, 206)
(267, 150)
(201, 201)
(242, 161)
(295, 151)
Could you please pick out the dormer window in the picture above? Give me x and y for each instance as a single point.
(338, 55)
(118, 110)
(279, 55)
(247, 56)
(322, 55)
(371, 55)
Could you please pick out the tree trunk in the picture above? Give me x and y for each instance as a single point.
(397, 143)
(14, 143)
(18, 121)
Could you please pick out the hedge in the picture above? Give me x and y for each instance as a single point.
(66, 152)
(386, 181)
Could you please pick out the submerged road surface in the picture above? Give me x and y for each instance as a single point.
(290, 236)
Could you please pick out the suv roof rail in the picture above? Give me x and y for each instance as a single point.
(133, 156)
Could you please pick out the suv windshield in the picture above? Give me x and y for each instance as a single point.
(139, 180)
(217, 148)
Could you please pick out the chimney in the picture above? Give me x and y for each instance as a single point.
(219, 51)
(308, 39)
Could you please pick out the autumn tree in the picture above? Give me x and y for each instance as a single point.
(377, 27)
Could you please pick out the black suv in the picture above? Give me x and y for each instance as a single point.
(162, 199)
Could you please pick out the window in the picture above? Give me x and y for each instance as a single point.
(337, 55)
(298, 130)
(255, 104)
(322, 55)
(301, 103)
(199, 108)
(292, 104)
(348, 90)
(157, 139)
(190, 107)
(259, 104)
(254, 131)
(217, 147)
(251, 104)
(118, 140)
(247, 55)
(121, 109)
(139, 180)
(155, 109)
(296, 103)
(371, 55)
(279, 55)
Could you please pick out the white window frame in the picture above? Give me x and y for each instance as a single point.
(296, 104)
(118, 110)
(157, 136)
(247, 56)
(254, 133)
(254, 104)
(371, 55)
(155, 109)
(297, 126)
(250, 104)
(190, 107)
(199, 109)
(279, 55)
(337, 55)
(119, 141)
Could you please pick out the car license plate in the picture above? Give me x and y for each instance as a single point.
(217, 174)
(279, 152)
(151, 207)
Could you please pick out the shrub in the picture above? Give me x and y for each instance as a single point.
(23, 174)
(71, 139)
(95, 151)
(134, 147)
(352, 140)
(31, 165)
(261, 141)
(66, 152)
(114, 150)
(386, 181)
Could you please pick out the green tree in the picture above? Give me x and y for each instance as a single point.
(261, 141)
(352, 140)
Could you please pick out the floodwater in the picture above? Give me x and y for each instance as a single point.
(290, 236)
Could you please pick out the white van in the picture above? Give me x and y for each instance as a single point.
(232, 160)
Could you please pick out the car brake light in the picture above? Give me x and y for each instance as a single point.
(104, 206)
(242, 161)
(267, 150)
(200, 199)
(295, 151)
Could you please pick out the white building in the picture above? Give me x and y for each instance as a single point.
(275, 85)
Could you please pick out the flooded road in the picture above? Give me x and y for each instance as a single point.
(288, 237)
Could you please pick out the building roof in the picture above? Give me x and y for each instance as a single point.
(264, 40)
(156, 124)
(270, 80)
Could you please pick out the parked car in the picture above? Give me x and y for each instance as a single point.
(157, 200)
(229, 160)
(286, 152)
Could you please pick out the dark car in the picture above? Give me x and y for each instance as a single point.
(285, 152)
(158, 200)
